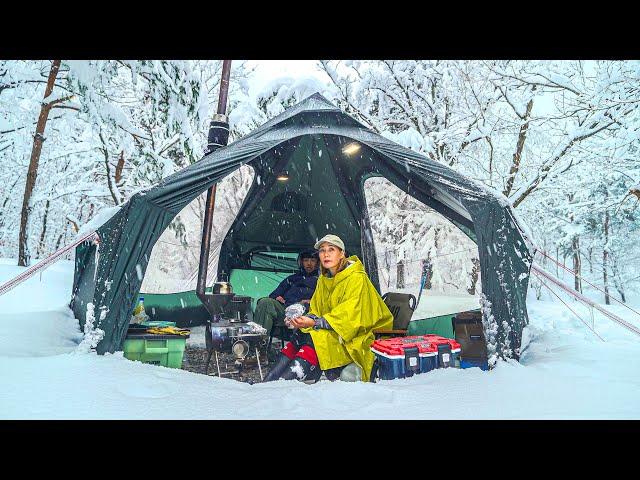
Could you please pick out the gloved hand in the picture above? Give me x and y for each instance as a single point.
(293, 311)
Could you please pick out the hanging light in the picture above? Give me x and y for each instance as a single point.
(351, 148)
(283, 176)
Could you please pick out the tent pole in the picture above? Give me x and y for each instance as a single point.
(218, 137)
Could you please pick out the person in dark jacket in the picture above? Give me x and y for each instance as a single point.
(296, 288)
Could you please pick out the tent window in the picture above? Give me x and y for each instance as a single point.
(275, 261)
(289, 202)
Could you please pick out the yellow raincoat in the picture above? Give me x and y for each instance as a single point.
(353, 307)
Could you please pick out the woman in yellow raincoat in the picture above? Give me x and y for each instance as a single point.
(337, 332)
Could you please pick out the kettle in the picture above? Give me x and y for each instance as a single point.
(222, 288)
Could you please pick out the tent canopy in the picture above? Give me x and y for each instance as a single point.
(326, 156)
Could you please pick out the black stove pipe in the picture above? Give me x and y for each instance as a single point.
(218, 137)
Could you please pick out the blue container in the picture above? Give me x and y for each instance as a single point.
(473, 363)
(390, 368)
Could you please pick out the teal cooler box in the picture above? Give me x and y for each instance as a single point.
(157, 323)
(164, 350)
(402, 357)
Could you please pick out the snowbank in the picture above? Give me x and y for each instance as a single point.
(566, 373)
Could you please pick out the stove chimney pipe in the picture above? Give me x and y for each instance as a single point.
(218, 137)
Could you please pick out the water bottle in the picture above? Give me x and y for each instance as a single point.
(139, 307)
(139, 314)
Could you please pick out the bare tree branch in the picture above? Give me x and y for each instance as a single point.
(544, 171)
(517, 155)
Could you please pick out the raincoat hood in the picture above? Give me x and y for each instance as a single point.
(353, 308)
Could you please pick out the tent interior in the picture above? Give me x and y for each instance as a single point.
(301, 190)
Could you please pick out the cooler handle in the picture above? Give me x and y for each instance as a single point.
(155, 350)
(412, 360)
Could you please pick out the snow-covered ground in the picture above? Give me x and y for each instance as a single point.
(566, 372)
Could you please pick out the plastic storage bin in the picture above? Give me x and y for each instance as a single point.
(469, 333)
(164, 350)
(402, 357)
(474, 362)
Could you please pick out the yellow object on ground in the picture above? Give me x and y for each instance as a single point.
(168, 331)
(353, 308)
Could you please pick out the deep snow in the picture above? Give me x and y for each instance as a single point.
(566, 372)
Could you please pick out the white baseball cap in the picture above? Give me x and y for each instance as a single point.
(332, 239)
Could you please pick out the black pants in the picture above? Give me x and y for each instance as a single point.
(298, 361)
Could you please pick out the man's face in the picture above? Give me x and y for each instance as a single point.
(309, 264)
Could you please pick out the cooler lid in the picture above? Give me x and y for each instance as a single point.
(427, 344)
(396, 346)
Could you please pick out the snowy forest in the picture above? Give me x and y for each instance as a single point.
(559, 140)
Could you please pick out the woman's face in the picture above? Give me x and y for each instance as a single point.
(330, 255)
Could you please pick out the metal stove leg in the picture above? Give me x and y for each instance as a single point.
(259, 366)
(206, 367)
(218, 364)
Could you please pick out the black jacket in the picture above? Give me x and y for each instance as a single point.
(296, 287)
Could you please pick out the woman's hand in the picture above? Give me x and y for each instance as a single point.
(302, 322)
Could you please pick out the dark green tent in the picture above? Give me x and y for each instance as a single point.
(310, 144)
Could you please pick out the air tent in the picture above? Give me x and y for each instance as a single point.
(325, 156)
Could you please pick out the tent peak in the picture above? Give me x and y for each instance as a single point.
(319, 97)
(315, 102)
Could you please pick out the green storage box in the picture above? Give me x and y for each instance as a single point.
(165, 350)
(441, 325)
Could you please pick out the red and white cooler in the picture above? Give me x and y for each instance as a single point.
(401, 357)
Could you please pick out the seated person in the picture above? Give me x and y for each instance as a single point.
(337, 333)
(296, 288)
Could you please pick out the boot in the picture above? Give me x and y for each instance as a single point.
(351, 373)
(303, 370)
(278, 369)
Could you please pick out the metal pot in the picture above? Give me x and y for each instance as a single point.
(222, 288)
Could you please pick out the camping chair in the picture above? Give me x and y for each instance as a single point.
(284, 333)
(402, 306)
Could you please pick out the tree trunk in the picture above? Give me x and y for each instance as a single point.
(400, 274)
(517, 155)
(475, 271)
(387, 266)
(59, 241)
(44, 230)
(605, 258)
(617, 278)
(105, 152)
(577, 264)
(24, 258)
(400, 280)
(119, 168)
(428, 266)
